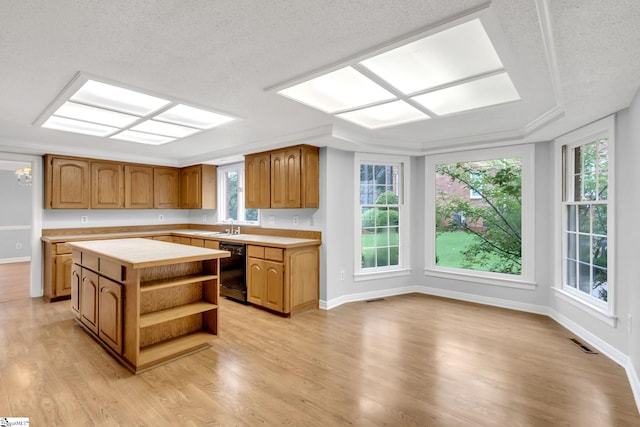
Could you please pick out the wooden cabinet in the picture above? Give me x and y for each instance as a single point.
(166, 188)
(198, 187)
(67, 183)
(76, 280)
(149, 301)
(110, 313)
(88, 297)
(107, 185)
(257, 181)
(138, 187)
(283, 280)
(57, 271)
(290, 179)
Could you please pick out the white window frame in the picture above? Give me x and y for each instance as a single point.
(526, 280)
(222, 202)
(403, 268)
(604, 311)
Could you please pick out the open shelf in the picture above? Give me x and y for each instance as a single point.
(154, 285)
(167, 315)
(166, 350)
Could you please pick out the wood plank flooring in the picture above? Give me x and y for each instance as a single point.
(14, 281)
(411, 360)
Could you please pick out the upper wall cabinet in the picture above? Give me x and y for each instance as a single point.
(107, 185)
(286, 178)
(198, 187)
(67, 183)
(166, 188)
(257, 179)
(138, 187)
(77, 183)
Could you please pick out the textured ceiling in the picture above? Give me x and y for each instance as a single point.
(573, 61)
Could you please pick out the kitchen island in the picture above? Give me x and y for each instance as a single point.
(146, 301)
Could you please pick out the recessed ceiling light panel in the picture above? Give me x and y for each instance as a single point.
(493, 90)
(87, 113)
(78, 126)
(194, 117)
(384, 115)
(456, 53)
(166, 129)
(142, 137)
(119, 99)
(339, 90)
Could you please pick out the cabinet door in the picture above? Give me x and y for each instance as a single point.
(190, 189)
(310, 173)
(274, 286)
(76, 278)
(107, 185)
(285, 179)
(257, 182)
(62, 277)
(110, 314)
(138, 187)
(69, 184)
(212, 244)
(255, 280)
(89, 300)
(166, 188)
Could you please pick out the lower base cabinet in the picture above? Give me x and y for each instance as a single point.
(283, 280)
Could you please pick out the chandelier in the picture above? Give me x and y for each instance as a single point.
(24, 176)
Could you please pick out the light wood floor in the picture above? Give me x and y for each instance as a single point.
(14, 281)
(407, 360)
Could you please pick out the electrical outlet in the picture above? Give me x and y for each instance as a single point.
(204, 218)
(18, 245)
(160, 217)
(84, 219)
(271, 220)
(296, 220)
(341, 274)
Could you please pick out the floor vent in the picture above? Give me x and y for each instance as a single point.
(582, 346)
(375, 300)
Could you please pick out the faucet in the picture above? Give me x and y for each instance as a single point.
(237, 230)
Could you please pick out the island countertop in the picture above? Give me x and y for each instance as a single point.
(142, 253)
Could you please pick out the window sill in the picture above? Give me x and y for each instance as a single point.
(361, 277)
(583, 305)
(470, 277)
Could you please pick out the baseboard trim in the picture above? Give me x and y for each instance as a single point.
(12, 260)
(365, 296)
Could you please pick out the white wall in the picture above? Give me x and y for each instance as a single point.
(15, 217)
(628, 236)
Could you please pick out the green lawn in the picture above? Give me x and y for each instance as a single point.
(449, 247)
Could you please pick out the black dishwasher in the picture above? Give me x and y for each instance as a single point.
(232, 272)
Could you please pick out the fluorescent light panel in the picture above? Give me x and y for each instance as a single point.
(339, 90)
(142, 137)
(375, 94)
(384, 115)
(78, 126)
(486, 92)
(118, 99)
(102, 109)
(456, 53)
(194, 117)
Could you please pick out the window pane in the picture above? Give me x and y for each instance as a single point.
(368, 258)
(231, 194)
(589, 157)
(603, 186)
(599, 251)
(603, 155)
(584, 219)
(584, 249)
(394, 255)
(584, 278)
(600, 283)
(589, 190)
(571, 273)
(482, 234)
(571, 246)
(571, 218)
(251, 214)
(600, 219)
(383, 257)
